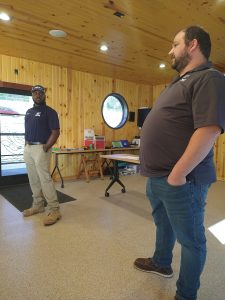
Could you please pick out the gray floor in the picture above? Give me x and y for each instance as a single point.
(89, 253)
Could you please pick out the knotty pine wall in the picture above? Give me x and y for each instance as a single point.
(77, 97)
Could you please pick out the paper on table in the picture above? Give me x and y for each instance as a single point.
(131, 157)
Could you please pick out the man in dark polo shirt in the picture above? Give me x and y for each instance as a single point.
(176, 155)
(41, 132)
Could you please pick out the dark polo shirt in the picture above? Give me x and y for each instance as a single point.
(39, 122)
(194, 100)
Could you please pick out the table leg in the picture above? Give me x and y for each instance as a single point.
(105, 162)
(57, 168)
(115, 178)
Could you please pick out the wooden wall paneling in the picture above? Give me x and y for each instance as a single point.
(54, 100)
(216, 157)
(75, 116)
(62, 104)
(69, 109)
(1, 58)
(77, 97)
(27, 67)
(22, 70)
(63, 100)
(83, 110)
(93, 89)
(89, 107)
(39, 74)
(83, 102)
(80, 105)
(145, 95)
(105, 89)
(106, 131)
(219, 154)
(6, 65)
(14, 64)
(75, 112)
(46, 75)
(2, 77)
(95, 117)
(103, 86)
(62, 79)
(129, 90)
(221, 162)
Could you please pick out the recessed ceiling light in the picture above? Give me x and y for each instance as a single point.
(4, 17)
(57, 33)
(104, 47)
(162, 66)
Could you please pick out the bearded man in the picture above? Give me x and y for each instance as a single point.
(176, 154)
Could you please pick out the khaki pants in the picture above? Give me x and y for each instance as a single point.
(42, 186)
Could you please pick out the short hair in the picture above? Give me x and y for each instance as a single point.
(203, 38)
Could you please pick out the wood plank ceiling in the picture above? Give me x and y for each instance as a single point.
(138, 42)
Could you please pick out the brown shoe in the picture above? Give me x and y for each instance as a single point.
(147, 265)
(52, 217)
(33, 211)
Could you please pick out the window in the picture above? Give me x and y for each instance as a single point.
(114, 111)
(13, 106)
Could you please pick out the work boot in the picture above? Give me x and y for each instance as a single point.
(52, 217)
(33, 211)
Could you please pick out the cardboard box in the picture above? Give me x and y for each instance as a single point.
(99, 142)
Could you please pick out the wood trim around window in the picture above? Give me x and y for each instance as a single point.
(17, 86)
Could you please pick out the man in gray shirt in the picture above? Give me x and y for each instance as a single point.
(176, 155)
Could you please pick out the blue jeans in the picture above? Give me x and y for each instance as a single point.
(178, 213)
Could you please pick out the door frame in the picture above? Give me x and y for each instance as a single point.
(19, 178)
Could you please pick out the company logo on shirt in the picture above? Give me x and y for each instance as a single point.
(185, 77)
(38, 114)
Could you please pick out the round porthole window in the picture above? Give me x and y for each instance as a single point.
(114, 110)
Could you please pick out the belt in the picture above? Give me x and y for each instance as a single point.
(34, 143)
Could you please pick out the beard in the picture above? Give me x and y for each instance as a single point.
(181, 62)
(39, 103)
(40, 100)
